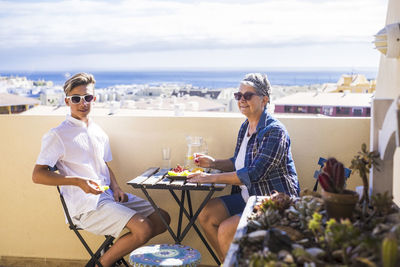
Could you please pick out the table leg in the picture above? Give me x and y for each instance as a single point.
(181, 207)
(192, 220)
(177, 241)
(189, 203)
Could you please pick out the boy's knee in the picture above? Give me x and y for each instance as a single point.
(141, 228)
(145, 233)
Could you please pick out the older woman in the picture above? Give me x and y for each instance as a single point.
(261, 164)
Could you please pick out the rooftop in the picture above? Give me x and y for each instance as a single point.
(108, 111)
(16, 100)
(354, 79)
(327, 99)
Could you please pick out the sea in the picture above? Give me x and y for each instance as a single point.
(203, 79)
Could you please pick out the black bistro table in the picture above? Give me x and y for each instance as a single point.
(155, 178)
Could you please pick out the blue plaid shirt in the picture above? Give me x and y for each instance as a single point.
(268, 162)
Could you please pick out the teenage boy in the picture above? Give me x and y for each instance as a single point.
(81, 150)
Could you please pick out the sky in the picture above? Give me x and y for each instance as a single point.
(188, 34)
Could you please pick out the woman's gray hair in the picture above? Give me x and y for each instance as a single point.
(78, 80)
(259, 82)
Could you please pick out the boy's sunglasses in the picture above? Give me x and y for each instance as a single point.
(76, 99)
(247, 95)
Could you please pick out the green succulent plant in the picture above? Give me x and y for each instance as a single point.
(315, 225)
(382, 203)
(277, 201)
(264, 220)
(362, 163)
(303, 210)
(341, 235)
(389, 250)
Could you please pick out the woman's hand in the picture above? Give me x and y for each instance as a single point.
(200, 177)
(119, 195)
(204, 161)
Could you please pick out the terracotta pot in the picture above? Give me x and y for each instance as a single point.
(340, 205)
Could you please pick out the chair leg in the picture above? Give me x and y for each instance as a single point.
(93, 261)
(121, 262)
(83, 242)
(124, 262)
(96, 256)
(109, 242)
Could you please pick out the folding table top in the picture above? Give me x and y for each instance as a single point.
(155, 178)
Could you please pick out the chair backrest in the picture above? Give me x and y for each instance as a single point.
(64, 205)
(321, 163)
(66, 212)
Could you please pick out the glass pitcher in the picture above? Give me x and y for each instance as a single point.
(195, 144)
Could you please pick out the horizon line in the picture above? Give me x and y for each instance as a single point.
(183, 69)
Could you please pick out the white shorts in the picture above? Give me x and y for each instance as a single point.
(111, 217)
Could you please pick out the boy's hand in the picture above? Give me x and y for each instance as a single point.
(89, 186)
(119, 195)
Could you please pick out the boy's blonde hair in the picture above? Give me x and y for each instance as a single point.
(78, 79)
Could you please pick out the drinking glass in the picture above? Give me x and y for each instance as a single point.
(166, 157)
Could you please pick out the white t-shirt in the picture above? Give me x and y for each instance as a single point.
(239, 162)
(77, 150)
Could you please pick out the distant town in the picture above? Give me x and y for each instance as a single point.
(350, 96)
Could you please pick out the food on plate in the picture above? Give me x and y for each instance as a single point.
(181, 171)
(198, 169)
(179, 168)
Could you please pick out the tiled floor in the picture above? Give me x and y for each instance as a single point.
(7, 261)
(39, 262)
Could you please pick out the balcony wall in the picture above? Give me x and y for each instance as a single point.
(32, 223)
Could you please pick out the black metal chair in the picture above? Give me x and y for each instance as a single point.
(94, 256)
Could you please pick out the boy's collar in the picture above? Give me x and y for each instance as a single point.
(78, 122)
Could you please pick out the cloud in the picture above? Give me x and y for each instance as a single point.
(134, 34)
(145, 25)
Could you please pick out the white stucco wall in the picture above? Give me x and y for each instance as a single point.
(387, 87)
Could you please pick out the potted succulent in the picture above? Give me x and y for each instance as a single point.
(339, 202)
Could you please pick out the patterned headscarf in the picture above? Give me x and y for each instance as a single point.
(259, 82)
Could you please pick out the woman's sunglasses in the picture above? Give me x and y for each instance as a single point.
(247, 95)
(76, 99)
